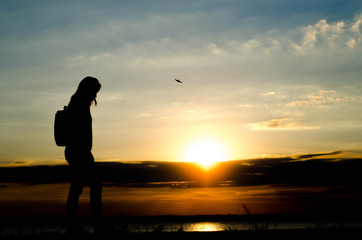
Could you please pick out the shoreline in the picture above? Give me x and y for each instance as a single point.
(279, 233)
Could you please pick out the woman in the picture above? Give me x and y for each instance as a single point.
(78, 150)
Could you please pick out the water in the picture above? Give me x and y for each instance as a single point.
(202, 226)
(229, 226)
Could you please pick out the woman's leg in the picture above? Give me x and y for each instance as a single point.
(75, 190)
(95, 185)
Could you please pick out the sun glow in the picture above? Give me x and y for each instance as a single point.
(206, 153)
(206, 227)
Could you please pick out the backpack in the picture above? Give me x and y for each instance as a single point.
(61, 127)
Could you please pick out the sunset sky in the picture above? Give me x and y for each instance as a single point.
(273, 85)
(260, 78)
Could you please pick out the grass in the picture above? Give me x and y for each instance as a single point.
(253, 224)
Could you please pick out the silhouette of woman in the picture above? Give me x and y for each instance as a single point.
(78, 151)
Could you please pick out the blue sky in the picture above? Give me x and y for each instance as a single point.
(260, 77)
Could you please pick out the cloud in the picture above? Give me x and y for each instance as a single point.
(351, 42)
(268, 93)
(321, 98)
(320, 34)
(329, 168)
(287, 57)
(280, 124)
(317, 38)
(310, 156)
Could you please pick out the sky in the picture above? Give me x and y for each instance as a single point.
(260, 78)
(274, 85)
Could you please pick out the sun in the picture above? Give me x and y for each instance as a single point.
(206, 153)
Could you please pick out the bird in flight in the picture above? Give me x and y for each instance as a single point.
(178, 80)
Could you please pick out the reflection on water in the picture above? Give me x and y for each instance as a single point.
(31, 228)
(205, 227)
(225, 226)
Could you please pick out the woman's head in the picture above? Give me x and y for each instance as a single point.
(88, 89)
